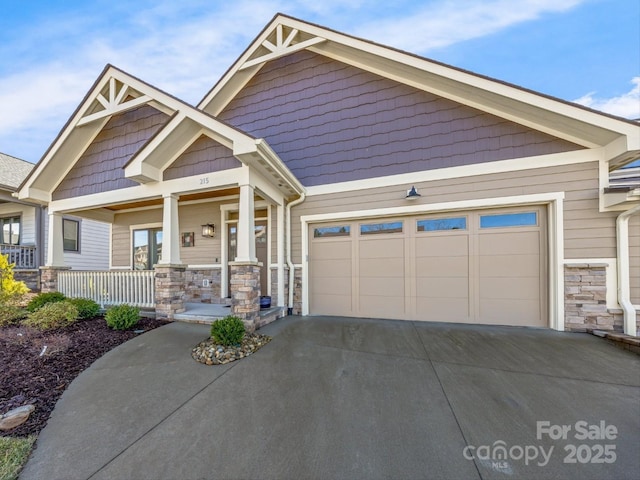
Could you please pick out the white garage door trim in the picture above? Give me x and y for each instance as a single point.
(553, 200)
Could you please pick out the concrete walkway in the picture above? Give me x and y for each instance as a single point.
(335, 398)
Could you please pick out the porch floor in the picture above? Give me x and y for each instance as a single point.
(208, 313)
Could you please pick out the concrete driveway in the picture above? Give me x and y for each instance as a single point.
(352, 398)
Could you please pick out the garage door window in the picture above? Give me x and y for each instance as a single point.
(376, 228)
(433, 225)
(509, 220)
(330, 232)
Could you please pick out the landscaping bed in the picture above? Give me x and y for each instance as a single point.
(31, 374)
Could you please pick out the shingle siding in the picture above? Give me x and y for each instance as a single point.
(100, 168)
(205, 155)
(332, 122)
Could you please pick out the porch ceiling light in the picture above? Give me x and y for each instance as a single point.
(412, 194)
(209, 230)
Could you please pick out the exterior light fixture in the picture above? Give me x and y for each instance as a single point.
(209, 230)
(412, 194)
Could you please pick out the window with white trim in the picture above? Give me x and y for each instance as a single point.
(70, 235)
(10, 230)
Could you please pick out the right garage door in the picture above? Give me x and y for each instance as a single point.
(485, 267)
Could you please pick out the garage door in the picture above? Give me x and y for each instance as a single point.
(484, 267)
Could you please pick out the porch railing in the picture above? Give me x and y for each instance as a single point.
(135, 288)
(24, 256)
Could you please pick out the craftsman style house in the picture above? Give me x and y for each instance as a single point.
(23, 230)
(343, 177)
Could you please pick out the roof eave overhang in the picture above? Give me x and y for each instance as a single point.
(261, 157)
(623, 198)
(571, 122)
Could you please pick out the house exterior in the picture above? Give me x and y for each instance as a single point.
(24, 230)
(348, 178)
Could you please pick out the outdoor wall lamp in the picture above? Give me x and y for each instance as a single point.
(209, 230)
(412, 194)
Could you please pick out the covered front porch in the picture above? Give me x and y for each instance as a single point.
(190, 256)
(197, 208)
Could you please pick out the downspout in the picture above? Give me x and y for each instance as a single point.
(624, 289)
(292, 275)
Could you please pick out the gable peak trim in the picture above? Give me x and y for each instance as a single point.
(276, 45)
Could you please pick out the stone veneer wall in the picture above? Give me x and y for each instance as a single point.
(30, 277)
(585, 300)
(195, 292)
(49, 278)
(245, 292)
(170, 290)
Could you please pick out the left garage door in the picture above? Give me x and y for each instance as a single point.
(473, 267)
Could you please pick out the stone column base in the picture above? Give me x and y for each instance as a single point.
(49, 278)
(245, 292)
(170, 290)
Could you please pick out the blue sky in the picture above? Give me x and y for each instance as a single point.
(51, 51)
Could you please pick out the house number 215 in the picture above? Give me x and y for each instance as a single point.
(204, 181)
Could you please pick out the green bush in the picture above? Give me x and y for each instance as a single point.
(10, 314)
(42, 299)
(87, 308)
(122, 317)
(52, 315)
(227, 331)
(10, 288)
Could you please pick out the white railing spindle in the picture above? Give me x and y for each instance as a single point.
(110, 288)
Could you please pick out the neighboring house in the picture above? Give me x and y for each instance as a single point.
(304, 158)
(23, 230)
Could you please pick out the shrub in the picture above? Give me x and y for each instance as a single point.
(10, 314)
(52, 315)
(227, 331)
(122, 317)
(87, 308)
(42, 299)
(9, 287)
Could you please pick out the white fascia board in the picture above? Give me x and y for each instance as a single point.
(279, 166)
(516, 200)
(192, 184)
(478, 83)
(488, 168)
(265, 188)
(34, 194)
(479, 92)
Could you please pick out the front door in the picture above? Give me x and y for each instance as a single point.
(261, 251)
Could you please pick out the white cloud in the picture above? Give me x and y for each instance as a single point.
(184, 47)
(442, 23)
(626, 105)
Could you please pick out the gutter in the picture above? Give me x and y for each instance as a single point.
(292, 277)
(624, 289)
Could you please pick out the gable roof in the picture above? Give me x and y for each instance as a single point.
(574, 123)
(114, 92)
(14, 171)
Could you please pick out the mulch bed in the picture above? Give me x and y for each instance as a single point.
(27, 377)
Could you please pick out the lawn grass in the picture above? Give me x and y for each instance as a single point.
(14, 453)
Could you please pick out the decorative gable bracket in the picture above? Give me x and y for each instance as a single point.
(120, 99)
(283, 46)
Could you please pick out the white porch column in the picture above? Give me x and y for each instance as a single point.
(280, 254)
(170, 231)
(55, 247)
(246, 227)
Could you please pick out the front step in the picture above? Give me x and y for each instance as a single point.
(206, 314)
